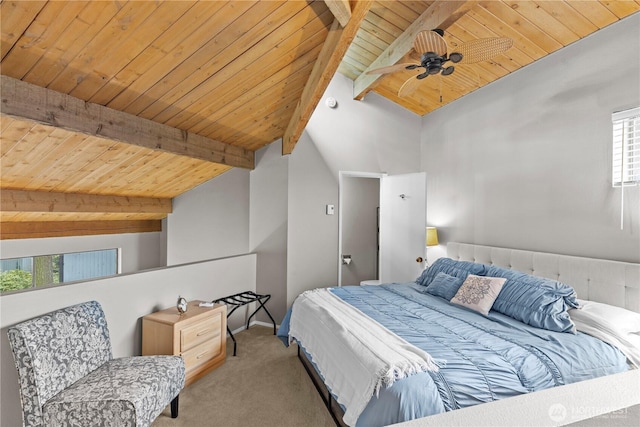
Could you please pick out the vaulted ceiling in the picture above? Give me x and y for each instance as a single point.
(112, 108)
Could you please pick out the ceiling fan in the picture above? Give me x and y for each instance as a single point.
(434, 56)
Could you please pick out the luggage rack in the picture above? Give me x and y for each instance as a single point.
(239, 300)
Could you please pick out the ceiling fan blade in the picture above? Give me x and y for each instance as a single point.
(409, 87)
(483, 49)
(392, 68)
(430, 41)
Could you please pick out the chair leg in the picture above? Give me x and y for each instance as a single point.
(174, 407)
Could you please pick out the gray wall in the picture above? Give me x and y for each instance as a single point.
(268, 226)
(373, 135)
(526, 161)
(211, 220)
(312, 237)
(239, 211)
(139, 251)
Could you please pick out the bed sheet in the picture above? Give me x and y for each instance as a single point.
(482, 358)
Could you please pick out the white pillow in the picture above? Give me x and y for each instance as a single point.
(479, 292)
(614, 325)
(623, 320)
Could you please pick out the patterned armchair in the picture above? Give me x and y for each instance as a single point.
(68, 376)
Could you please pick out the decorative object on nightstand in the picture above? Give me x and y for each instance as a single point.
(198, 335)
(182, 305)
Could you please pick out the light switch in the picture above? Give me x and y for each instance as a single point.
(330, 209)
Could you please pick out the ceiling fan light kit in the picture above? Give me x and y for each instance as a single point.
(433, 49)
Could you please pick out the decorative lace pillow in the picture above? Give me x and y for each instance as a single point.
(479, 292)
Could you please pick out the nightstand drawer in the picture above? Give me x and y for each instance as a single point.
(201, 354)
(193, 335)
(198, 335)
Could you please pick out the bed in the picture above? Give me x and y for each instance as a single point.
(457, 356)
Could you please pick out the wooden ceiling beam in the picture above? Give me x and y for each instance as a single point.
(335, 46)
(50, 202)
(26, 101)
(340, 9)
(441, 14)
(40, 229)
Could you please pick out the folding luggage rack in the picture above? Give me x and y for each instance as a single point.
(239, 300)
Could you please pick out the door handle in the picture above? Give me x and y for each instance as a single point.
(419, 259)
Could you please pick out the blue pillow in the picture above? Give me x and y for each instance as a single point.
(536, 301)
(460, 269)
(444, 286)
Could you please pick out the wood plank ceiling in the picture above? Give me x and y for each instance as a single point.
(112, 108)
(537, 29)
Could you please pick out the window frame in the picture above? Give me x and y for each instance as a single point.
(34, 286)
(625, 159)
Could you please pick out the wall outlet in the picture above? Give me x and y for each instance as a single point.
(330, 209)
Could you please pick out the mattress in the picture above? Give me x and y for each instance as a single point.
(481, 358)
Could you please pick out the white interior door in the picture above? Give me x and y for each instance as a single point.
(403, 211)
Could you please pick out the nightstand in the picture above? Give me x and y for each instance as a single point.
(199, 336)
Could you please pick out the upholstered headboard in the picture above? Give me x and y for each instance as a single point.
(610, 282)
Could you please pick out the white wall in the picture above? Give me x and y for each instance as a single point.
(526, 161)
(139, 251)
(373, 135)
(211, 220)
(125, 299)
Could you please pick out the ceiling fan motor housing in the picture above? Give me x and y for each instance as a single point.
(433, 64)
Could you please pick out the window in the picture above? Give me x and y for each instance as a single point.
(626, 147)
(33, 272)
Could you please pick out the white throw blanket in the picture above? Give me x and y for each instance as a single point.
(355, 354)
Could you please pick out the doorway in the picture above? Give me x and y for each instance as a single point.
(381, 226)
(359, 227)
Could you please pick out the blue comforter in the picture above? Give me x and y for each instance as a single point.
(482, 358)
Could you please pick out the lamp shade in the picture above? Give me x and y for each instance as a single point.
(432, 236)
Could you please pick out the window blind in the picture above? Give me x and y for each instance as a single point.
(626, 147)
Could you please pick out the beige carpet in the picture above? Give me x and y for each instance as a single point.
(264, 385)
